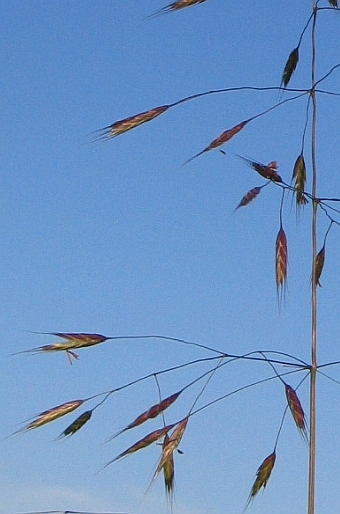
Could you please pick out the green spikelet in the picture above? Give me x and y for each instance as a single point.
(299, 175)
(77, 424)
(319, 262)
(290, 67)
(262, 476)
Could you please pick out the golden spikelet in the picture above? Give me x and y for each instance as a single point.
(166, 462)
(71, 341)
(169, 478)
(173, 442)
(222, 138)
(80, 340)
(121, 126)
(299, 175)
(281, 259)
(262, 475)
(52, 414)
(77, 424)
(290, 66)
(296, 409)
(319, 262)
(169, 473)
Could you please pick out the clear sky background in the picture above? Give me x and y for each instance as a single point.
(117, 238)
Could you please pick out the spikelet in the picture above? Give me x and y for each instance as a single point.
(290, 66)
(281, 259)
(150, 438)
(173, 442)
(168, 468)
(222, 138)
(169, 474)
(166, 463)
(262, 475)
(77, 424)
(176, 6)
(267, 171)
(296, 409)
(299, 174)
(319, 262)
(248, 197)
(71, 341)
(151, 413)
(51, 414)
(121, 126)
(333, 3)
(171, 445)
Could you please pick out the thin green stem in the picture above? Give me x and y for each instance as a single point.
(313, 369)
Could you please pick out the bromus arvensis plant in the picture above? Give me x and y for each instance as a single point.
(273, 181)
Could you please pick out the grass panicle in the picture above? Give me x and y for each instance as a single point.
(150, 438)
(262, 476)
(151, 413)
(299, 176)
(249, 197)
(220, 140)
(281, 260)
(267, 171)
(122, 126)
(296, 409)
(77, 424)
(319, 263)
(290, 66)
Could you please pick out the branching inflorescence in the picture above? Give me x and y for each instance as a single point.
(170, 434)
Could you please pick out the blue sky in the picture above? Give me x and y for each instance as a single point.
(117, 238)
